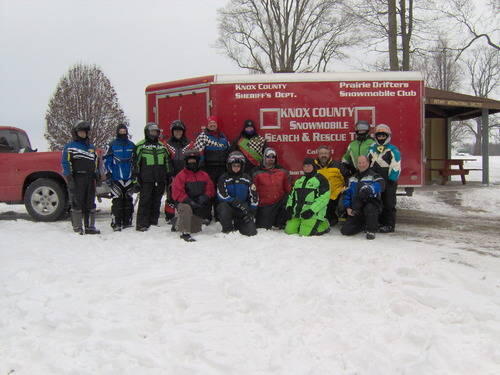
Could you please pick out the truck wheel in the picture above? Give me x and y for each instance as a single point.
(45, 200)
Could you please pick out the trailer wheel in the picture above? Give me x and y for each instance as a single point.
(45, 200)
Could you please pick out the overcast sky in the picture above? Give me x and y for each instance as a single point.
(136, 43)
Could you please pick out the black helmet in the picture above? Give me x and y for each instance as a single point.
(235, 157)
(362, 126)
(80, 125)
(177, 124)
(151, 126)
(192, 154)
(119, 127)
(248, 123)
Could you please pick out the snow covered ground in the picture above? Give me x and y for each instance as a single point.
(423, 300)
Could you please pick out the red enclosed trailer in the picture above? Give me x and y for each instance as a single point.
(298, 112)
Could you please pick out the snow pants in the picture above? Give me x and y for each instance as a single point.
(122, 206)
(307, 227)
(271, 215)
(331, 212)
(82, 192)
(388, 215)
(149, 204)
(367, 219)
(232, 218)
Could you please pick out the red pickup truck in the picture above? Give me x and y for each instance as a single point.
(30, 177)
(34, 178)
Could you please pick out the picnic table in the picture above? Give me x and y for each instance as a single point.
(446, 170)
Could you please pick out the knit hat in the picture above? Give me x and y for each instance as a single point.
(308, 161)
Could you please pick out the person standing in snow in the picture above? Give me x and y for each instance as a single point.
(362, 200)
(307, 203)
(152, 170)
(177, 145)
(273, 185)
(360, 146)
(336, 173)
(118, 164)
(192, 191)
(250, 144)
(237, 196)
(81, 171)
(214, 148)
(385, 159)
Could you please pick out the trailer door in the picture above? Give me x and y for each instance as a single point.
(191, 107)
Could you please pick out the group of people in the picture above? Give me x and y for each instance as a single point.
(238, 183)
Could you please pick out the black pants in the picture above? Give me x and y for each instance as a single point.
(331, 212)
(367, 217)
(214, 172)
(122, 206)
(271, 215)
(82, 192)
(388, 215)
(149, 203)
(231, 218)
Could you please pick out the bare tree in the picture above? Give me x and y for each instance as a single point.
(392, 26)
(439, 67)
(483, 67)
(83, 93)
(474, 25)
(285, 35)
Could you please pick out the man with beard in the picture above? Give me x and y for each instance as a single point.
(238, 197)
(152, 170)
(118, 163)
(362, 200)
(192, 191)
(273, 185)
(336, 173)
(80, 169)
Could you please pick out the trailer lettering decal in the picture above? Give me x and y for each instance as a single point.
(326, 125)
(281, 137)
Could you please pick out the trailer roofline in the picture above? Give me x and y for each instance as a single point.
(318, 77)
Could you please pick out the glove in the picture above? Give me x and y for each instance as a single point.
(307, 214)
(136, 186)
(366, 192)
(70, 181)
(203, 200)
(240, 206)
(192, 203)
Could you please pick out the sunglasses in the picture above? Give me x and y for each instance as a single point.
(271, 156)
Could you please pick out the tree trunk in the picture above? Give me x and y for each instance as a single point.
(393, 36)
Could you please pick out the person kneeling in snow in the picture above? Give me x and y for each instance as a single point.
(362, 201)
(307, 203)
(192, 190)
(238, 197)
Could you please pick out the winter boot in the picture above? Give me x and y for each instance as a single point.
(370, 236)
(386, 229)
(90, 223)
(187, 237)
(174, 224)
(76, 221)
